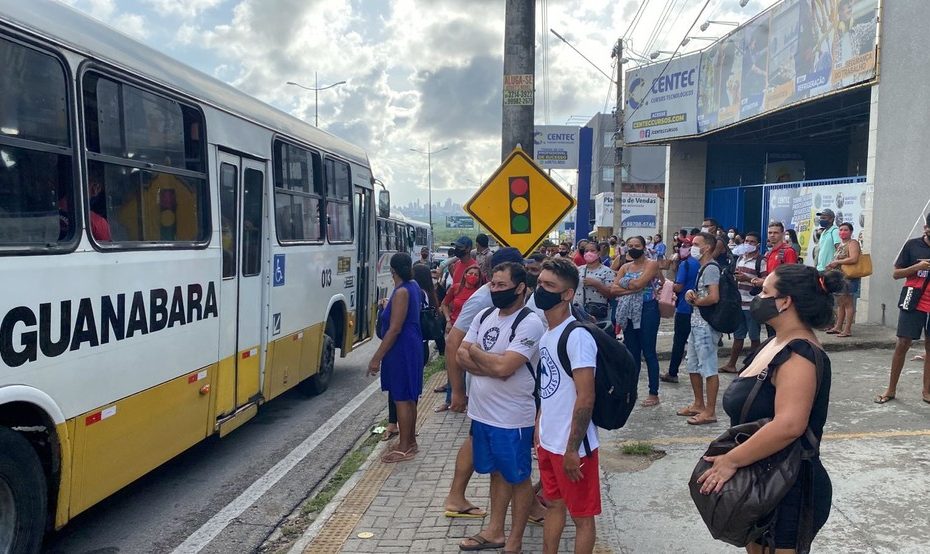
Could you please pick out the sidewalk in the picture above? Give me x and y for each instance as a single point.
(876, 456)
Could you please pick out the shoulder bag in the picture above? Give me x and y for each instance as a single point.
(910, 296)
(745, 509)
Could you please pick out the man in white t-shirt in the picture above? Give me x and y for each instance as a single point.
(567, 449)
(499, 352)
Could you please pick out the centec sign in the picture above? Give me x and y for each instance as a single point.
(520, 203)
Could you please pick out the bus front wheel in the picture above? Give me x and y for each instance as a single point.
(318, 383)
(23, 495)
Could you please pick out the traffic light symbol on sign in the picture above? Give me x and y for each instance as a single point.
(520, 205)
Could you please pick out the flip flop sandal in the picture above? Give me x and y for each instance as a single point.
(687, 412)
(440, 389)
(388, 435)
(481, 544)
(396, 456)
(472, 512)
(536, 520)
(844, 335)
(832, 332)
(695, 421)
(650, 402)
(441, 408)
(883, 399)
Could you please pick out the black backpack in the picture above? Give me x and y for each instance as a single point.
(615, 378)
(726, 315)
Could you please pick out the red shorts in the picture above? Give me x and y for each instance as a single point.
(583, 498)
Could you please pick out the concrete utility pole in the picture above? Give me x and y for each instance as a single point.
(618, 161)
(519, 76)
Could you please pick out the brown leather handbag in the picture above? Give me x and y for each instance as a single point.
(746, 507)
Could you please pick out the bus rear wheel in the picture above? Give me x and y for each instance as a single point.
(23, 495)
(318, 383)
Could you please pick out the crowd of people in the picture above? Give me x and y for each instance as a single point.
(503, 327)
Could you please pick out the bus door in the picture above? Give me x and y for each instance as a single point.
(364, 276)
(242, 212)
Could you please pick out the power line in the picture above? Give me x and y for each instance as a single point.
(635, 23)
(669, 61)
(639, 11)
(663, 16)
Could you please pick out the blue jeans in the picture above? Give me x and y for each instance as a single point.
(642, 342)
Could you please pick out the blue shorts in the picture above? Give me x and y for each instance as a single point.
(506, 451)
(749, 327)
(702, 350)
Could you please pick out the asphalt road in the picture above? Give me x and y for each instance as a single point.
(159, 511)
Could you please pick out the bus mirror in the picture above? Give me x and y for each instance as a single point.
(384, 204)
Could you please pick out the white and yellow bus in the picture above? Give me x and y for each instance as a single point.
(397, 233)
(173, 253)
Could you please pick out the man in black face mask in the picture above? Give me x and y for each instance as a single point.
(500, 351)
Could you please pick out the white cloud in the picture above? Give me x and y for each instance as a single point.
(133, 25)
(184, 8)
(416, 70)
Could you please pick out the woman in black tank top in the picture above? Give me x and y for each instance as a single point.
(794, 300)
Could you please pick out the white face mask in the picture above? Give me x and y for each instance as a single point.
(731, 234)
(750, 248)
(704, 229)
(696, 252)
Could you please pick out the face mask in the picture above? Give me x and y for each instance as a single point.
(824, 224)
(613, 243)
(531, 279)
(749, 248)
(705, 229)
(563, 253)
(845, 235)
(635, 253)
(591, 257)
(546, 300)
(503, 298)
(696, 252)
(731, 234)
(684, 252)
(471, 280)
(764, 310)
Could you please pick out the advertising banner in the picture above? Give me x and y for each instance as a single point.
(797, 209)
(556, 146)
(661, 99)
(460, 222)
(798, 50)
(640, 211)
(604, 209)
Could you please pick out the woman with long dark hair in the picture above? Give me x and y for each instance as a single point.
(638, 311)
(794, 300)
(399, 357)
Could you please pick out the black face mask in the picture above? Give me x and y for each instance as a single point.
(531, 280)
(563, 253)
(764, 310)
(504, 298)
(546, 300)
(635, 253)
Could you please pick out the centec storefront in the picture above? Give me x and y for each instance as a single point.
(812, 104)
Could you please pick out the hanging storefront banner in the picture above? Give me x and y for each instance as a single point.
(640, 213)
(661, 99)
(797, 50)
(604, 209)
(797, 209)
(556, 146)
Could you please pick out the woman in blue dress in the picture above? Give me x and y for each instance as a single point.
(399, 358)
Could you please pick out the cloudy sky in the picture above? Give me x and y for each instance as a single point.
(417, 71)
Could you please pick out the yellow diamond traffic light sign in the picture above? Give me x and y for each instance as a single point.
(520, 203)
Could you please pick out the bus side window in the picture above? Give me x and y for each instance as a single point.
(37, 201)
(146, 153)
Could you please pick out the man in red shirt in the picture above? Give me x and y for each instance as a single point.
(780, 252)
(913, 265)
(464, 260)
